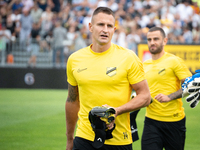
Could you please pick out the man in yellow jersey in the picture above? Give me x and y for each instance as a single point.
(165, 118)
(103, 74)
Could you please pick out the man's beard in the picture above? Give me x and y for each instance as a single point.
(158, 50)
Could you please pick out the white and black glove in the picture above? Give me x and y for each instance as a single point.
(191, 89)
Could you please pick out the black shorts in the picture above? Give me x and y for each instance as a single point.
(158, 135)
(83, 144)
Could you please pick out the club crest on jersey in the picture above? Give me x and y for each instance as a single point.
(111, 71)
(162, 71)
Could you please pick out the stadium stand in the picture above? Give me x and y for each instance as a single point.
(28, 24)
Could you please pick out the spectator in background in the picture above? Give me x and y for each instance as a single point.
(42, 4)
(142, 32)
(177, 25)
(167, 21)
(172, 38)
(168, 7)
(119, 37)
(3, 3)
(187, 35)
(35, 44)
(70, 38)
(132, 40)
(46, 27)
(133, 12)
(3, 14)
(150, 5)
(79, 4)
(47, 14)
(59, 35)
(195, 20)
(2, 49)
(184, 10)
(112, 5)
(87, 19)
(196, 34)
(79, 16)
(15, 17)
(46, 22)
(6, 37)
(196, 8)
(151, 23)
(144, 19)
(36, 13)
(91, 5)
(81, 38)
(25, 28)
(27, 4)
(75, 39)
(138, 6)
(6, 34)
(16, 5)
(55, 18)
(128, 22)
(10, 25)
(66, 13)
(55, 5)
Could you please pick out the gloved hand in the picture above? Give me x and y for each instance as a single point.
(99, 117)
(106, 114)
(191, 87)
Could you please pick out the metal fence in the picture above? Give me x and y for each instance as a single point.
(30, 53)
(39, 53)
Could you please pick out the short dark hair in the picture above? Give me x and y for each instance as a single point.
(158, 29)
(104, 10)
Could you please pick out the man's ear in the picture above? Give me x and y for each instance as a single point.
(115, 28)
(90, 27)
(165, 41)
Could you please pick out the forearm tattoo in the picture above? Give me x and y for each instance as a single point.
(175, 95)
(72, 93)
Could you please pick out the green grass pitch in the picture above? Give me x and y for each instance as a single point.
(34, 119)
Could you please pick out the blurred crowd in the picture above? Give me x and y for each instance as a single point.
(61, 26)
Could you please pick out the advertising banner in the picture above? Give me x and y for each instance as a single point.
(33, 78)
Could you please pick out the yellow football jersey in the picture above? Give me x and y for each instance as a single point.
(163, 76)
(104, 78)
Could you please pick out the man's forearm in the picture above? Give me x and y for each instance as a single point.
(176, 95)
(72, 107)
(136, 103)
(71, 111)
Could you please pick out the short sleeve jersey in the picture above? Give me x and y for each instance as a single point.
(163, 76)
(104, 78)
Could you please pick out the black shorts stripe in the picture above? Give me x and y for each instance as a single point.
(83, 144)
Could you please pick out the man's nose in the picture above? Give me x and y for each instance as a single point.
(151, 42)
(105, 28)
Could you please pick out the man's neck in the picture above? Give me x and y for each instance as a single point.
(100, 48)
(157, 56)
